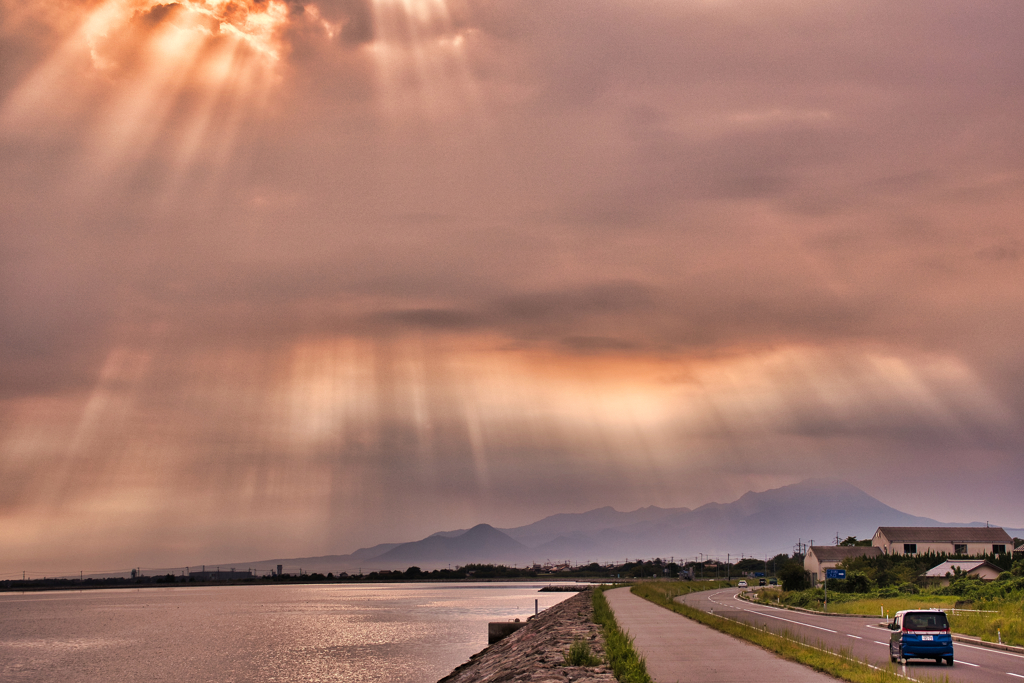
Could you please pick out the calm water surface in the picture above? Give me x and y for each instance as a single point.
(371, 633)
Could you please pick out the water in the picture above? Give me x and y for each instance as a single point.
(358, 634)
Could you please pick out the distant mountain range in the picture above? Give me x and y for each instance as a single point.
(756, 525)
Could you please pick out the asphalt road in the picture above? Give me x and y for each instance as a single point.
(862, 638)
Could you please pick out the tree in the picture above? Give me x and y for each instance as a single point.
(794, 578)
(851, 541)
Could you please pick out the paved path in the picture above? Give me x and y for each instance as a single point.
(678, 649)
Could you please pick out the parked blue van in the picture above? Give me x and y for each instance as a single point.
(921, 634)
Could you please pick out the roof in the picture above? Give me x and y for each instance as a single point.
(946, 534)
(964, 565)
(838, 553)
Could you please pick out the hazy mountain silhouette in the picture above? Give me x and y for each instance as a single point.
(483, 544)
(571, 525)
(758, 524)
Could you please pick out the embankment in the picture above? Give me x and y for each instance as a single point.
(536, 652)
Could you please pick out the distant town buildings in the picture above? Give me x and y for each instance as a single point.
(219, 575)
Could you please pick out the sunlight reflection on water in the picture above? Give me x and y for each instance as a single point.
(358, 634)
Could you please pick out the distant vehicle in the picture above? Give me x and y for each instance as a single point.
(743, 584)
(921, 634)
(773, 581)
(761, 582)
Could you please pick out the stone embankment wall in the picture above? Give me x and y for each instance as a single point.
(536, 652)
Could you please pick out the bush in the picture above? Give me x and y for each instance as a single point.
(794, 578)
(579, 654)
(855, 582)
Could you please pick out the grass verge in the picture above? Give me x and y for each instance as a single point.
(624, 661)
(839, 664)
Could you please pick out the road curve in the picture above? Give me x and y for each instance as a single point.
(861, 638)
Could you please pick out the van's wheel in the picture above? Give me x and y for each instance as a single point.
(949, 661)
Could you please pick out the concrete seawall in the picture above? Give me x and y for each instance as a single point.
(536, 651)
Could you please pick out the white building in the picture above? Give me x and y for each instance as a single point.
(942, 574)
(822, 557)
(951, 540)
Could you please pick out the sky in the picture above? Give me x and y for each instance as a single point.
(286, 279)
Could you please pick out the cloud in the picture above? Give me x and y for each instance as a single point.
(332, 265)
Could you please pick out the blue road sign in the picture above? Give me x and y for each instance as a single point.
(835, 573)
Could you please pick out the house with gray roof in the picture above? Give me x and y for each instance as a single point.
(943, 573)
(822, 557)
(950, 540)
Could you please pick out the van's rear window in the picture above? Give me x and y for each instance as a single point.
(925, 621)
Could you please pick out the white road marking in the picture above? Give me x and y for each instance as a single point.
(878, 642)
(1014, 675)
(992, 650)
(853, 636)
(800, 623)
(960, 661)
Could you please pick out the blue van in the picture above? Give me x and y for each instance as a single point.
(921, 634)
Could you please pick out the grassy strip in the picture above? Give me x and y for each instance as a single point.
(819, 657)
(627, 665)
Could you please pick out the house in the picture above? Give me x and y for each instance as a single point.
(942, 574)
(822, 557)
(948, 540)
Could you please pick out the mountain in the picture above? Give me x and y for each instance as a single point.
(571, 525)
(483, 544)
(760, 523)
(757, 524)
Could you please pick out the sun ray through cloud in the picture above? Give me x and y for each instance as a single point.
(185, 74)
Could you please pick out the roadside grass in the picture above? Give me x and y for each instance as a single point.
(998, 620)
(1007, 623)
(623, 659)
(839, 664)
(844, 603)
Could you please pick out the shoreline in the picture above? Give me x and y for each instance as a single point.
(539, 647)
(556, 585)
